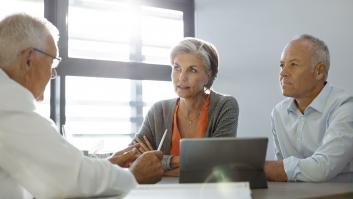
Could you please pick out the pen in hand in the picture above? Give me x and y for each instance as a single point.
(162, 140)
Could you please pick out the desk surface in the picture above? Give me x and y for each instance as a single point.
(170, 189)
(281, 190)
(238, 190)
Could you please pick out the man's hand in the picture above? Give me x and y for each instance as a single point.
(124, 157)
(147, 168)
(274, 171)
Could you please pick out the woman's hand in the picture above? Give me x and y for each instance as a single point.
(145, 144)
(174, 164)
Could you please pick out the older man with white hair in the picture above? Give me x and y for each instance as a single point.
(34, 158)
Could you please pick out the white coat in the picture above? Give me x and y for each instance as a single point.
(36, 159)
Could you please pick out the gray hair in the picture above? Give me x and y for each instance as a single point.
(321, 51)
(205, 50)
(21, 31)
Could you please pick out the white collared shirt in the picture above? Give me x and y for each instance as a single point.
(317, 145)
(34, 157)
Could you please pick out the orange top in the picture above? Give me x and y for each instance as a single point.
(201, 126)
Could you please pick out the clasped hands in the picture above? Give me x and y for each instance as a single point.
(146, 146)
(147, 167)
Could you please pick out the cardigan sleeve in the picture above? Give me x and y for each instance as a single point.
(148, 128)
(153, 127)
(226, 118)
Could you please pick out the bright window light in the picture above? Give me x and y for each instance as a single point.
(150, 96)
(161, 29)
(33, 7)
(98, 30)
(110, 30)
(99, 110)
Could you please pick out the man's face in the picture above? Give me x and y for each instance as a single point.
(298, 77)
(40, 70)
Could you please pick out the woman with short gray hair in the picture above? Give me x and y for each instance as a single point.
(197, 112)
(204, 50)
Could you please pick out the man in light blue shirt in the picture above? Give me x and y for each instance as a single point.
(313, 127)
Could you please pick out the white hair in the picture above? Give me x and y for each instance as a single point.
(321, 51)
(21, 31)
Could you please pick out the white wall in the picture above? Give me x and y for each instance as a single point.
(250, 35)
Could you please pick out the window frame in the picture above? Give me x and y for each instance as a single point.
(56, 11)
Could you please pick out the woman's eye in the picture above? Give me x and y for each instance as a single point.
(193, 70)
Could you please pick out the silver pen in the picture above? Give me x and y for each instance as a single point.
(162, 140)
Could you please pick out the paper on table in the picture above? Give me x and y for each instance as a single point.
(224, 190)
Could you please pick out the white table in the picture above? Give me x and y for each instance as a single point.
(169, 188)
(281, 190)
(239, 190)
(284, 190)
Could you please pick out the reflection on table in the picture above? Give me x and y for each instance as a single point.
(169, 188)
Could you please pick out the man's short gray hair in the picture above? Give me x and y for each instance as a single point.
(21, 31)
(321, 51)
(205, 50)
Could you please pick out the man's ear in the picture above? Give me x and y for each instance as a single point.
(27, 57)
(320, 71)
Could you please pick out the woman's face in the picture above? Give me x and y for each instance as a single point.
(189, 75)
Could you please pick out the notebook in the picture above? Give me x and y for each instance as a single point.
(204, 160)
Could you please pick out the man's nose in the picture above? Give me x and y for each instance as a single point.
(283, 72)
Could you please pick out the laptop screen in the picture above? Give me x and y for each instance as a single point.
(204, 160)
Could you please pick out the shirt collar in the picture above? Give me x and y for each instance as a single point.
(317, 104)
(292, 107)
(2, 73)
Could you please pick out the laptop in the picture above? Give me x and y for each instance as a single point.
(204, 160)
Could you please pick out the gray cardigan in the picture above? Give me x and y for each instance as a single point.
(223, 114)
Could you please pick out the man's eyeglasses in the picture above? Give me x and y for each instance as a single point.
(56, 62)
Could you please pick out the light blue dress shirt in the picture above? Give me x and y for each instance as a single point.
(317, 145)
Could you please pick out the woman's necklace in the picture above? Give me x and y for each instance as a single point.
(191, 120)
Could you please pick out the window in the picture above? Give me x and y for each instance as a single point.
(103, 34)
(115, 55)
(118, 31)
(33, 7)
(160, 30)
(101, 117)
